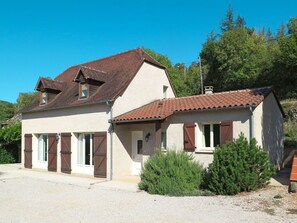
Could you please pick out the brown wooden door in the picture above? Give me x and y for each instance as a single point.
(100, 149)
(226, 131)
(52, 153)
(28, 151)
(66, 153)
(189, 137)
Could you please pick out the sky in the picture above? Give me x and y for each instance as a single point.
(43, 38)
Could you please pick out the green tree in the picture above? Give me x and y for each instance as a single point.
(24, 99)
(7, 111)
(235, 59)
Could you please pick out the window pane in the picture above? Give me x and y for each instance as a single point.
(216, 135)
(80, 150)
(87, 149)
(139, 147)
(207, 135)
(40, 148)
(163, 140)
(92, 148)
(45, 148)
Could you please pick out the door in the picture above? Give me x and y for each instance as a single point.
(52, 152)
(137, 152)
(66, 153)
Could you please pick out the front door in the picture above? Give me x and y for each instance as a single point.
(137, 152)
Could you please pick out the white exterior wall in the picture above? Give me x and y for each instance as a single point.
(146, 87)
(272, 126)
(174, 128)
(85, 119)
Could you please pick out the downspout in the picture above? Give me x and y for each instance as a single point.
(252, 133)
(110, 104)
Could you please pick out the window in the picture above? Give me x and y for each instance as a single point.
(211, 136)
(139, 147)
(165, 91)
(83, 91)
(85, 149)
(163, 140)
(42, 148)
(43, 98)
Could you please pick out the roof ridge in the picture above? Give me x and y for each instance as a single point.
(103, 58)
(218, 93)
(91, 68)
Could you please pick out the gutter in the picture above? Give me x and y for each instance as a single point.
(138, 120)
(252, 131)
(217, 109)
(111, 130)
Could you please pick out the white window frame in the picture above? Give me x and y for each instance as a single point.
(42, 148)
(212, 147)
(43, 98)
(81, 154)
(81, 95)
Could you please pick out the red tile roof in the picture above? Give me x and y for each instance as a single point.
(117, 71)
(161, 109)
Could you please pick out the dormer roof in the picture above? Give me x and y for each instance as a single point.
(46, 84)
(87, 73)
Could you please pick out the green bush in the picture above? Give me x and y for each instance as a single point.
(171, 173)
(239, 166)
(5, 157)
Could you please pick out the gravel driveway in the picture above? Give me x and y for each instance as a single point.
(32, 196)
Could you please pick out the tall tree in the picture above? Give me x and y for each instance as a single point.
(228, 23)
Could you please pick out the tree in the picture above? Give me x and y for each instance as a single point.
(234, 60)
(228, 23)
(24, 99)
(7, 111)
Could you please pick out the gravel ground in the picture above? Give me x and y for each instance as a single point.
(31, 196)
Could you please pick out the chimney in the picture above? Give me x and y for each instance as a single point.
(208, 89)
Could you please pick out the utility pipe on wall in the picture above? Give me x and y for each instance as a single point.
(110, 103)
(252, 133)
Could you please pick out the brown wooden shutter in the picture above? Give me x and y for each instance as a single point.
(52, 153)
(28, 151)
(226, 131)
(66, 152)
(189, 137)
(100, 150)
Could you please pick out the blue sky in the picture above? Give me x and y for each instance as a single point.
(43, 38)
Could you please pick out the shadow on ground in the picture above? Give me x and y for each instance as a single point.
(283, 176)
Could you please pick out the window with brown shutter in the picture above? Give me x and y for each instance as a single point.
(189, 137)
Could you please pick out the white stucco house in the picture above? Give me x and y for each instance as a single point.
(107, 116)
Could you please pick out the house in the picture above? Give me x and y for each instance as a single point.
(107, 116)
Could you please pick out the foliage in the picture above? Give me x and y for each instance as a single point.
(290, 129)
(24, 99)
(11, 134)
(10, 140)
(7, 111)
(171, 173)
(5, 157)
(239, 166)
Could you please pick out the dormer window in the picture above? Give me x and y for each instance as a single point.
(83, 91)
(43, 98)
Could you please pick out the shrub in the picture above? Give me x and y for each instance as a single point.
(239, 166)
(171, 173)
(5, 157)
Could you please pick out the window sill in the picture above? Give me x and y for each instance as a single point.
(204, 151)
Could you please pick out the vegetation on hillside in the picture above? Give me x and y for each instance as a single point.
(241, 57)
